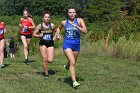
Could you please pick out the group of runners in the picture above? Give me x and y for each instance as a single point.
(48, 33)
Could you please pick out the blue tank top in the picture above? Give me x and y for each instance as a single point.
(71, 32)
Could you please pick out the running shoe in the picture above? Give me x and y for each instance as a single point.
(26, 62)
(1, 66)
(67, 70)
(76, 84)
(66, 67)
(46, 76)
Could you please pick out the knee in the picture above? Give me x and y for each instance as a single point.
(1, 51)
(50, 61)
(72, 63)
(44, 59)
(25, 47)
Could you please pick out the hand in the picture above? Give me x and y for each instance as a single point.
(24, 26)
(41, 35)
(73, 24)
(58, 37)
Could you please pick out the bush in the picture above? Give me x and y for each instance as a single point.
(123, 48)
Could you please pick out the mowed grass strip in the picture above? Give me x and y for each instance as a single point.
(96, 75)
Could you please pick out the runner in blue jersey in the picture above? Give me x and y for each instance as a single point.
(71, 44)
(44, 31)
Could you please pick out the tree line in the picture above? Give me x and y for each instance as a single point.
(93, 10)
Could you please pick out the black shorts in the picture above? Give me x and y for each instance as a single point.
(47, 44)
(27, 36)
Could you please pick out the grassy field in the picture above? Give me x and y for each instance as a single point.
(96, 75)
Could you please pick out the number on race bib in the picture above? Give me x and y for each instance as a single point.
(24, 30)
(47, 37)
(71, 33)
(1, 32)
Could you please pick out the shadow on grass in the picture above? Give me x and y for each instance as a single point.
(68, 80)
(6, 65)
(50, 72)
(32, 61)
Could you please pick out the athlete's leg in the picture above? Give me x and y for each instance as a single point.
(2, 51)
(75, 53)
(11, 55)
(23, 39)
(43, 51)
(28, 41)
(50, 52)
(70, 56)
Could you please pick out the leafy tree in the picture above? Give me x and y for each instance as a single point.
(35, 6)
(102, 9)
(134, 6)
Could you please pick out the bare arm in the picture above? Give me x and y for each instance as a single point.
(20, 23)
(82, 26)
(5, 31)
(4, 28)
(33, 24)
(54, 30)
(35, 33)
(60, 27)
(53, 27)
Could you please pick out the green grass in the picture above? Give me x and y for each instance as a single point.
(96, 75)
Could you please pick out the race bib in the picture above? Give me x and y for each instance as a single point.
(1, 32)
(71, 34)
(24, 29)
(47, 37)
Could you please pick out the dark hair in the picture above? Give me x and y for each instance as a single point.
(29, 14)
(25, 9)
(46, 12)
(123, 8)
(71, 7)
